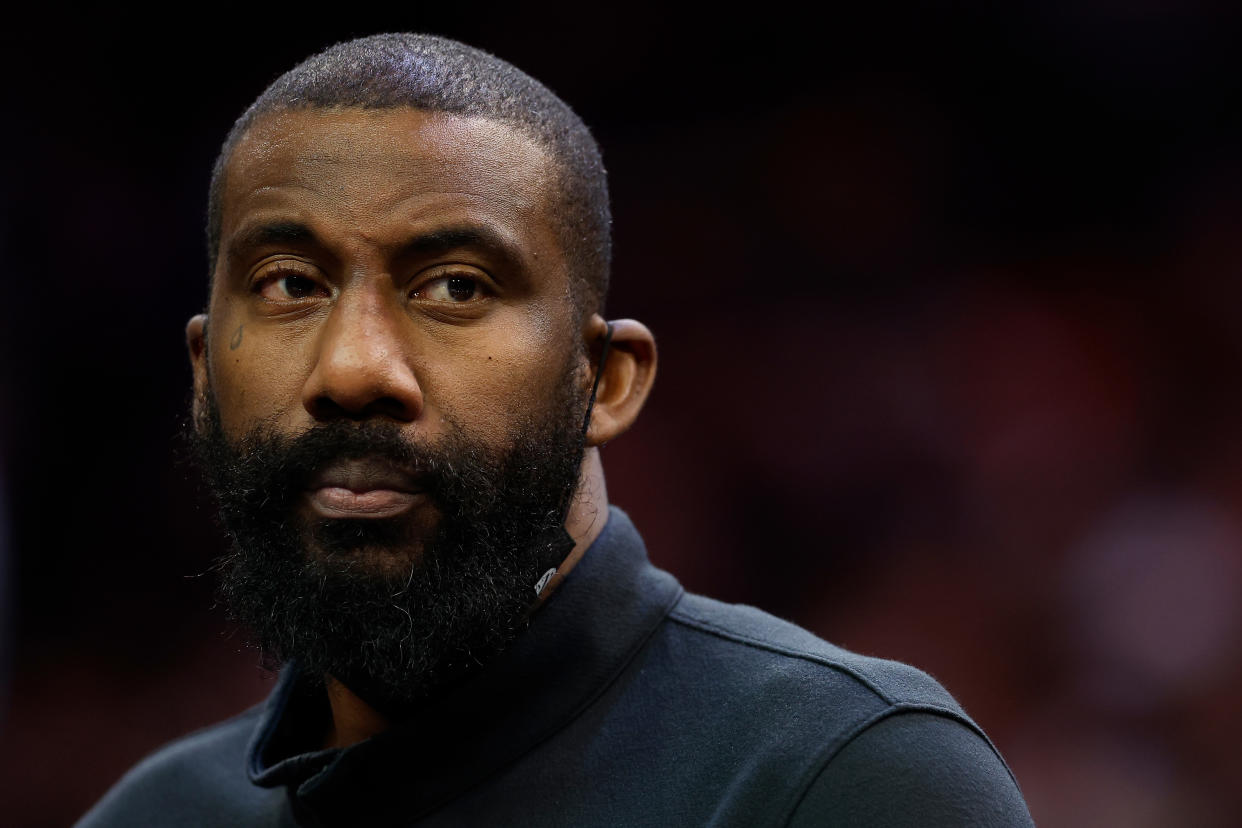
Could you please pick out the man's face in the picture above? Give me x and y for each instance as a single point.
(387, 263)
(393, 378)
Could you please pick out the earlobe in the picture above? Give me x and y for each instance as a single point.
(196, 342)
(626, 380)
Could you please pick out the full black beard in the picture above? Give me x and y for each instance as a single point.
(442, 603)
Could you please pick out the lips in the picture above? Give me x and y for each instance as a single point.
(367, 488)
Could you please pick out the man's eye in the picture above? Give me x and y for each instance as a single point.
(289, 286)
(457, 289)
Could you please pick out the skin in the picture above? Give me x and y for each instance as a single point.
(321, 308)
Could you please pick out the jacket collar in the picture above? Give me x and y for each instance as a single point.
(577, 643)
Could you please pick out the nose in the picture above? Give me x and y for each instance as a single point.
(362, 366)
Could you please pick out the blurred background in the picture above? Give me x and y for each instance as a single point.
(948, 303)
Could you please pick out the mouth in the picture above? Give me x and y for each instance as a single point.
(369, 488)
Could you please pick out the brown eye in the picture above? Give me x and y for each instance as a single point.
(461, 289)
(286, 286)
(296, 287)
(453, 289)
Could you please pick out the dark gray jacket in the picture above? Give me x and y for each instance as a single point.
(627, 702)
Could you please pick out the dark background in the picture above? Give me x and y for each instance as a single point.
(948, 303)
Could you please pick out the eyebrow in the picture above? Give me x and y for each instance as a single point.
(432, 243)
(279, 232)
(476, 236)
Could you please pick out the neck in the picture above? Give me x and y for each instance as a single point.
(353, 720)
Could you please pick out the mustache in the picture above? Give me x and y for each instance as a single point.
(277, 468)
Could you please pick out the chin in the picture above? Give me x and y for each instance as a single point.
(384, 561)
(384, 547)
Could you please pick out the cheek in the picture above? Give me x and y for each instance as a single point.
(492, 385)
(254, 376)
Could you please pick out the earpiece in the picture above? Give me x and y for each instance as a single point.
(599, 372)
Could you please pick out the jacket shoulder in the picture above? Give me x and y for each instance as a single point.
(198, 780)
(837, 719)
(738, 626)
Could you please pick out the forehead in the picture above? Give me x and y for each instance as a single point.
(375, 171)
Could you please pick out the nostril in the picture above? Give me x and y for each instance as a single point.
(325, 408)
(390, 407)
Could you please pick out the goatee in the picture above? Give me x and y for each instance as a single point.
(394, 608)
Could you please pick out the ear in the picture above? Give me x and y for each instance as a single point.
(626, 379)
(196, 341)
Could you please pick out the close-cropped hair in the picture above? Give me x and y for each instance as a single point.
(435, 74)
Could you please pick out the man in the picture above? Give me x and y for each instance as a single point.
(400, 390)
